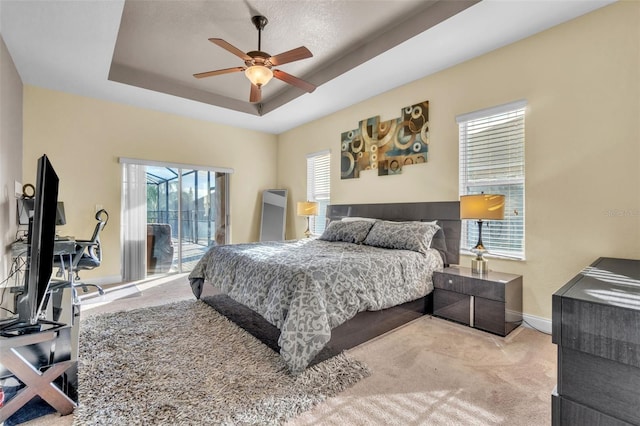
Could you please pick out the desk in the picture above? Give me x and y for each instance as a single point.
(61, 247)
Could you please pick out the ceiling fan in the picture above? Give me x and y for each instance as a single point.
(259, 64)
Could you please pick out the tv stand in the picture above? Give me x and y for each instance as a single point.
(43, 357)
(37, 383)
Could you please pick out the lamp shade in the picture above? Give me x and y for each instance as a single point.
(482, 206)
(259, 75)
(307, 208)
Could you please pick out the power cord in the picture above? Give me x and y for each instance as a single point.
(16, 267)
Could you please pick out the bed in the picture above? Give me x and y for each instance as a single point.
(362, 278)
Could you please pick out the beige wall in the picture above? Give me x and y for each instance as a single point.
(581, 81)
(84, 138)
(11, 157)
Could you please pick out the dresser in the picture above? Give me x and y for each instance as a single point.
(490, 302)
(596, 327)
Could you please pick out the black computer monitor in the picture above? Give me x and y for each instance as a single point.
(26, 207)
(41, 239)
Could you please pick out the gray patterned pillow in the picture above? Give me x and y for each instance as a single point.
(349, 232)
(414, 236)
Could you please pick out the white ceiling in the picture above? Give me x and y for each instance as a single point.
(69, 46)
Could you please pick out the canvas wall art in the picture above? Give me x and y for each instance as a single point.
(387, 146)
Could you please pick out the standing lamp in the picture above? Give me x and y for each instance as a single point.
(481, 207)
(307, 208)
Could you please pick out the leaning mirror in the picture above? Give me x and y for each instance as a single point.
(274, 215)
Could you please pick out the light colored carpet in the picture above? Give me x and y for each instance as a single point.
(184, 363)
(433, 372)
(430, 372)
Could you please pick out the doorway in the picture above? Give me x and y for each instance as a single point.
(185, 204)
(181, 212)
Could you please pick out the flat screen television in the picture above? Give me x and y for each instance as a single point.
(41, 240)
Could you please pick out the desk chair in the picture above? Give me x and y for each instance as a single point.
(88, 254)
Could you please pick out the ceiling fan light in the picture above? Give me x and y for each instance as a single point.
(259, 75)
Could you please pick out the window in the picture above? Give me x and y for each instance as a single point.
(318, 188)
(492, 161)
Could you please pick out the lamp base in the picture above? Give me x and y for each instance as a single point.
(307, 233)
(479, 265)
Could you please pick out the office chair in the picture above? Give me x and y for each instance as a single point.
(88, 254)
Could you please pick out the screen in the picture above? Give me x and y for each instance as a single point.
(41, 238)
(26, 207)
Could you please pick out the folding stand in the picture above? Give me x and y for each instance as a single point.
(36, 382)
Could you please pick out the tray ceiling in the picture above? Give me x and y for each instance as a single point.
(144, 53)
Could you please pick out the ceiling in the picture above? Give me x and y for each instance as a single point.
(144, 53)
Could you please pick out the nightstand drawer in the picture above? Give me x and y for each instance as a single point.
(471, 285)
(451, 305)
(448, 282)
(489, 316)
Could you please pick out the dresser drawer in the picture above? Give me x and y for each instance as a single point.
(604, 385)
(566, 412)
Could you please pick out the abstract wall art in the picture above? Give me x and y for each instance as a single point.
(387, 146)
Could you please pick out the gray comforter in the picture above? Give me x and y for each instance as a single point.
(307, 287)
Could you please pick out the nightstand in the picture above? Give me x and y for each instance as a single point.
(491, 302)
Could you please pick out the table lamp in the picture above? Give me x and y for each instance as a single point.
(481, 207)
(307, 208)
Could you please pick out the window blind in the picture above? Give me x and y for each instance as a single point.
(492, 161)
(319, 188)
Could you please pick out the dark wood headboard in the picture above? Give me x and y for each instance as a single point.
(447, 213)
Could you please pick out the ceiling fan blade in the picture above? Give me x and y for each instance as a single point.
(290, 56)
(218, 72)
(230, 48)
(295, 81)
(256, 94)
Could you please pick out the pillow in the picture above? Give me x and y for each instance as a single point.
(353, 219)
(349, 232)
(414, 236)
(439, 243)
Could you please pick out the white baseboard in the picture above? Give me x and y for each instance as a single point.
(537, 323)
(112, 279)
(93, 299)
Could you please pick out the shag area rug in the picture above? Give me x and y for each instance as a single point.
(185, 364)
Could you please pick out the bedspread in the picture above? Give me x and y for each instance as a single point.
(307, 287)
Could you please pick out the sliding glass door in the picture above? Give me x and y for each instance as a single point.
(186, 213)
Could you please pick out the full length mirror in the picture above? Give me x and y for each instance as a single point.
(274, 214)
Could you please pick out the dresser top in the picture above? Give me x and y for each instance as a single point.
(607, 281)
